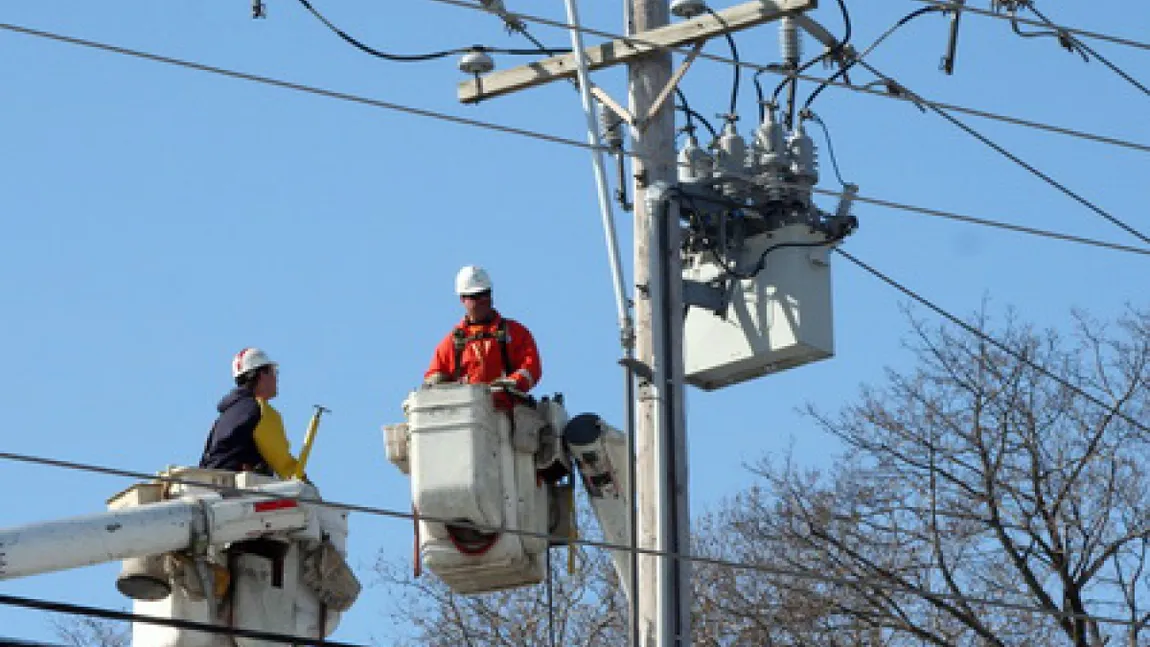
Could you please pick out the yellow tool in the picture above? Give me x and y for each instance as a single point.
(309, 439)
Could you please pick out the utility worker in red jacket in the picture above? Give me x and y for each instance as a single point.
(485, 347)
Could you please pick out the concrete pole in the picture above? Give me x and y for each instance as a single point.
(664, 603)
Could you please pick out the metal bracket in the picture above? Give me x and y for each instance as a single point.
(637, 367)
(606, 100)
(672, 83)
(704, 295)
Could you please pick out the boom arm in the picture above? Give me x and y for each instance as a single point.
(149, 529)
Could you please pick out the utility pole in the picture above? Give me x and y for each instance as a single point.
(664, 584)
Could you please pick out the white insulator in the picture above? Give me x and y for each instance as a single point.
(790, 41)
(732, 153)
(804, 163)
(693, 163)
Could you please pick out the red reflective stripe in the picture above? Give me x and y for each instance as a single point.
(268, 506)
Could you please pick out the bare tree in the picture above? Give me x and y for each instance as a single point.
(585, 607)
(985, 503)
(92, 632)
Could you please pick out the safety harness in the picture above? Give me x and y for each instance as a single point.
(461, 339)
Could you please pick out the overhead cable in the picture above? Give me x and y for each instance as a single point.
(1116, 410)
(951, 6)
(432, 114)
(1086, 49)
(1012, 157)
(186, 625)
(410, 58)
(774, 69)
(383, 104)
(876, 583)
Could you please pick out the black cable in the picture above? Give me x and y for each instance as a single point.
(409, 58)
(431, 114)
(685, 107)
(950, 5)
(343, 96)
(1082, 48)
(402, 58)
(844, 68)
(734, 56)
(830, 147)
(188, 625)
(702, 120)
(802, 68)
(983, 336)
(408, 516)
(1017, 160)
(846, 39)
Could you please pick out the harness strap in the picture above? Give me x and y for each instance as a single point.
(460, 339)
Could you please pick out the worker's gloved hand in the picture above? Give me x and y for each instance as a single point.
(505, 383)
(432, 380)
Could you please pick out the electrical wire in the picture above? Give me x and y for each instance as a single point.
(410, 58)
(737, 69)
(449, 118)
(854, 60)
(951, 6)
(846, 39)
(773, 69)
(431, 114)
(1082, 48)
(692, 115)
(124, 616)
(1017, 160)
(876, 583)
(28, 31)
(802, 68)
(809, 114)
(988, 339)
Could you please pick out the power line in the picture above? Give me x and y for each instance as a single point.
(411, 58)
(873, 582)
(508, 129)
(540, 136)
(299, 87)
(1012, 157)
(991, 340)
(111, 614)
(431, 114)
(774, 69)
(950, 215)
(951, 6)
(1090, 50)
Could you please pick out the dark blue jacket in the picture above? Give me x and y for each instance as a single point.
(231, 445)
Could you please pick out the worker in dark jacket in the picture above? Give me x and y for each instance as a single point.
(249, 434)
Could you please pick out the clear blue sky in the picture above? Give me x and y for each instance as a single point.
(156, 220)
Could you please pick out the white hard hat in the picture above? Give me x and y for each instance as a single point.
(472, 280)
(249, 359)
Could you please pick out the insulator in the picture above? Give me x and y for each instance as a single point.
(610, 123)
(732, 150)
(790, 40)
(770, 144)
(804, 165)
(694, 163)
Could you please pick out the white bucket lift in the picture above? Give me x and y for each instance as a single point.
(293, 581)
(471, 465)
(468, 466)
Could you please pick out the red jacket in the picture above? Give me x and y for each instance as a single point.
(480, 355)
